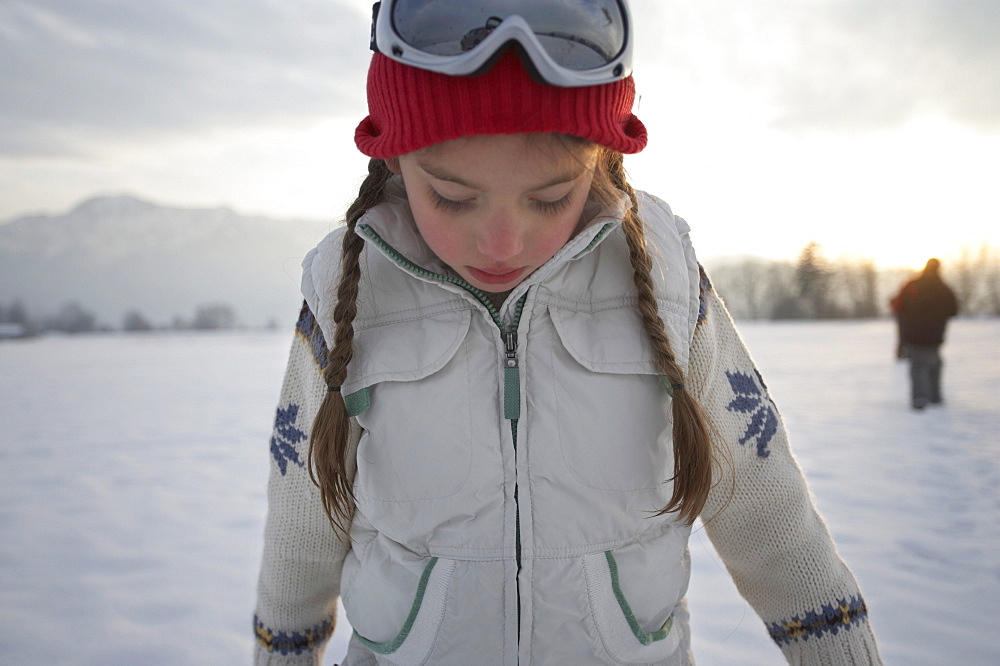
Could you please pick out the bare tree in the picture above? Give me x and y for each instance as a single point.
(73, 318)
(814, 280)
(747, 287)
(858, 280)
(962, 273)
(135, 321)
(991, 282)
(18, 314)
(214, 316)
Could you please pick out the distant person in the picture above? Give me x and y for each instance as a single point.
(923, 307)
(901, 352)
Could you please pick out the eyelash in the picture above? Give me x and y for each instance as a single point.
(450, 205)
(443, 203)
(553, 207)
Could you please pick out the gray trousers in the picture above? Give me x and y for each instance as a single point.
(925, 375)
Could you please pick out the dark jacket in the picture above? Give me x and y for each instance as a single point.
(923, 307)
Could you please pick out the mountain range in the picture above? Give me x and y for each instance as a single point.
(114, 254)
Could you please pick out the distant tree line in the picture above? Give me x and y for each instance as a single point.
(17, 321)
(814, 287)
(811, 287)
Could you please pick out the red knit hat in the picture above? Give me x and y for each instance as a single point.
(411, 108)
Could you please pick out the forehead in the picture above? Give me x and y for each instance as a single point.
(533, 155)
(516, 146)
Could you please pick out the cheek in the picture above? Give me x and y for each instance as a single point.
(549, 242)
(440, 236)
(551, 237)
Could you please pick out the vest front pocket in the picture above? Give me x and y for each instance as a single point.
(410, 641)
(409, 387)
(629, 629)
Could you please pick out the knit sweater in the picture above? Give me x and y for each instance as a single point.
(760, 516)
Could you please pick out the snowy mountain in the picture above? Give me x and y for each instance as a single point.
(114, 254)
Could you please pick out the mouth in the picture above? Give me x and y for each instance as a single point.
(493, 277)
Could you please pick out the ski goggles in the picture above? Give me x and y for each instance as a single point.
(566, 43)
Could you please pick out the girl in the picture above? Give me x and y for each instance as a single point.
(513, 389)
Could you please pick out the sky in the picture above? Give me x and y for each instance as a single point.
(872, 128)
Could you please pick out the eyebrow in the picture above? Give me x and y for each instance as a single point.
(565, 177)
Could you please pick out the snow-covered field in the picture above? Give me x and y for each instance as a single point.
(134, 468)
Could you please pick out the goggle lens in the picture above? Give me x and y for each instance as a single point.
(577, 34)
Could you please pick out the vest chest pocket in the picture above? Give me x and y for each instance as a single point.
(411, 379)
(613, 419)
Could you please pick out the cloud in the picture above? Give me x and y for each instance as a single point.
(78, 73)
(123, 69)
(869, 65)
(835, 65)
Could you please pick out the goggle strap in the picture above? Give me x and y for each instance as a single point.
(375, 9)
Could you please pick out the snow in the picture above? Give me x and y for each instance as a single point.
(134, 470)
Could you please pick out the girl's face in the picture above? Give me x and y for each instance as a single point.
(495, 208)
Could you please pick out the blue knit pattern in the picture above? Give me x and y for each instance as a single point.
(310, 331)
(286, 436)
(830, 619)
(704, 289)
(295, 642)
(750, 397)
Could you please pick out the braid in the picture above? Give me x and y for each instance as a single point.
(692, 445)
(330, 436)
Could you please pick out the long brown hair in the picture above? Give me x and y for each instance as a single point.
(693, 458)
(329, 440)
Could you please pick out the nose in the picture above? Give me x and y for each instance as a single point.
(501, 237)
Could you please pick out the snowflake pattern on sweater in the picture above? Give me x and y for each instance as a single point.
(751, 398)
(286, 436)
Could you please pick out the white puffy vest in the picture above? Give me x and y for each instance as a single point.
(512, 461)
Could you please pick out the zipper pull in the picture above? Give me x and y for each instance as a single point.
(510, 344)
(511, 377)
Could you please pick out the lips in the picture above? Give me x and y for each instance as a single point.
(495, 277)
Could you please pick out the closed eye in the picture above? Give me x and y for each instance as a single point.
(552, 207)
(444, 203)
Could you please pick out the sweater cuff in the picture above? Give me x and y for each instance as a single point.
(264, 657)
(852, 645)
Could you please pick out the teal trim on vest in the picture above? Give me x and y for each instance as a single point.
(669, 387)
(408, 265)
(393, 645)
(357, 402)
(597, 239)
(512, 375)
(511, 393)
(642, 636)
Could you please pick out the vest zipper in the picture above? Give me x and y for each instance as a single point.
(512, 411)
(512, 374)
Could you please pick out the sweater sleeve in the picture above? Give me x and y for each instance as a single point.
(300, 571)
(760, 516)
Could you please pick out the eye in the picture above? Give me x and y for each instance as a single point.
(553, 207)
(446, 204)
